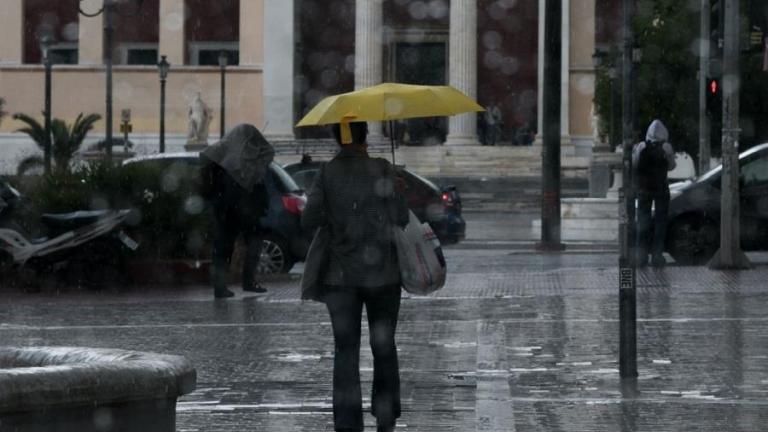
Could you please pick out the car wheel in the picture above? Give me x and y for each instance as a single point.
(692, 240)
(275, 258)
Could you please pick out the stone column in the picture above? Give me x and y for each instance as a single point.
(172, 37)
(91, 34)
(369, 51)
(252, 36)
(278, 51)
(462, 129)
(582, 76)
(12, 23)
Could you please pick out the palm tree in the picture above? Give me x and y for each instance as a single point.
(65, 140)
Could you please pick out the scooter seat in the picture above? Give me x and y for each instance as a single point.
(72, 220)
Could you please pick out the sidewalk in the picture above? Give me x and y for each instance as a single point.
(512, 343)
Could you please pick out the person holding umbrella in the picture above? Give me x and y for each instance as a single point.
(358, 199)
(233, 172)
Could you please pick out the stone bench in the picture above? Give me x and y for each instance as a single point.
(89, 389)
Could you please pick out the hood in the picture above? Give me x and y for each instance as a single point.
(657, 132)
(244, 154)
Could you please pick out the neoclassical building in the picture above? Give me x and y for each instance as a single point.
(285, 55)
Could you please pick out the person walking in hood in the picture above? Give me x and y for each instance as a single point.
(358, 199)
(233, 172)
(652, 159)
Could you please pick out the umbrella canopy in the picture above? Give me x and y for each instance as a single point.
(390, 101)
(244, 154)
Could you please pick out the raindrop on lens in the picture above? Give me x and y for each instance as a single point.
(418, 10)
(170, 182)
(71, 31)
(194, 205)
(492, 40)
(438, 9)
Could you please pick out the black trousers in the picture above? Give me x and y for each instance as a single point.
(225, 232)
(651, 228)
(345, 305)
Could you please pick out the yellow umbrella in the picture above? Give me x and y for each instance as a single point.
(387, 102)
(390, 101)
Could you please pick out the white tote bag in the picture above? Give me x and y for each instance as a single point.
(422, 264)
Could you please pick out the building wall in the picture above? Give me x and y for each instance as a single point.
(81, 89)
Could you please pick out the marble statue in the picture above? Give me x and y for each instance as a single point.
(200, 116)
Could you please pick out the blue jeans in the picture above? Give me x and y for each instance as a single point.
(345, 305)
(651, 228)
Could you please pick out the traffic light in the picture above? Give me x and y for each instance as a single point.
(715, 108)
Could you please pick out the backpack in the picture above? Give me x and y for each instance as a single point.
(652, 167)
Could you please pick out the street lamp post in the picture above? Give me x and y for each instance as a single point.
(109, 9)
(223, 68)
(46, 50)
(163, 67)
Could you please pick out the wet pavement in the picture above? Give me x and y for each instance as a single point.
(515, 342)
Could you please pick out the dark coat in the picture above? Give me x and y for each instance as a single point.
(230, 202)
(357, 198)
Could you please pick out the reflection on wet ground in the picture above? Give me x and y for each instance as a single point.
(513, 343)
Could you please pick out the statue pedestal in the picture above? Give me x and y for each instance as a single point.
(195, 147)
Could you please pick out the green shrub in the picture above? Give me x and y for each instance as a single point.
(171, 221)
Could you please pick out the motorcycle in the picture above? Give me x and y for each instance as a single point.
(88, 246)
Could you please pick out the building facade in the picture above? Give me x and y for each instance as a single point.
(285, 55)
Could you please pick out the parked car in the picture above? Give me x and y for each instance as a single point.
(285, 242)
(693, 235)
(441, 207)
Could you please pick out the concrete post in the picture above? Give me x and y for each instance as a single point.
(627, 261)
(552, 134)
(730, 255)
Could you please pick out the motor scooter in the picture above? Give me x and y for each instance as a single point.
(88, 245)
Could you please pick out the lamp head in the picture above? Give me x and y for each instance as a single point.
(163, 67)
(223, 59)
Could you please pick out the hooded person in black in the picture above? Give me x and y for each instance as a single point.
(652, 159)
(233, 172)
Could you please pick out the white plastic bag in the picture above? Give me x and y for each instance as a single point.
(422, 264)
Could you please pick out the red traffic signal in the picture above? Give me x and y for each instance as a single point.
(714, 86)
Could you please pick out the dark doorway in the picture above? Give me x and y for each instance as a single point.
(421, 63)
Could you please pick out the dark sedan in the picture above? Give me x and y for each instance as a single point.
(285, 242)
(441, 207)
(693, 235)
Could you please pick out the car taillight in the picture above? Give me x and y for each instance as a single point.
(294, 203)
(448, 199)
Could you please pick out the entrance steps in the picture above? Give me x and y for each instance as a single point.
(449, 161)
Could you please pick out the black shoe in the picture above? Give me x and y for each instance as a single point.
(385, 427)
(255, 288)
(658, 261)
(223, 293)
